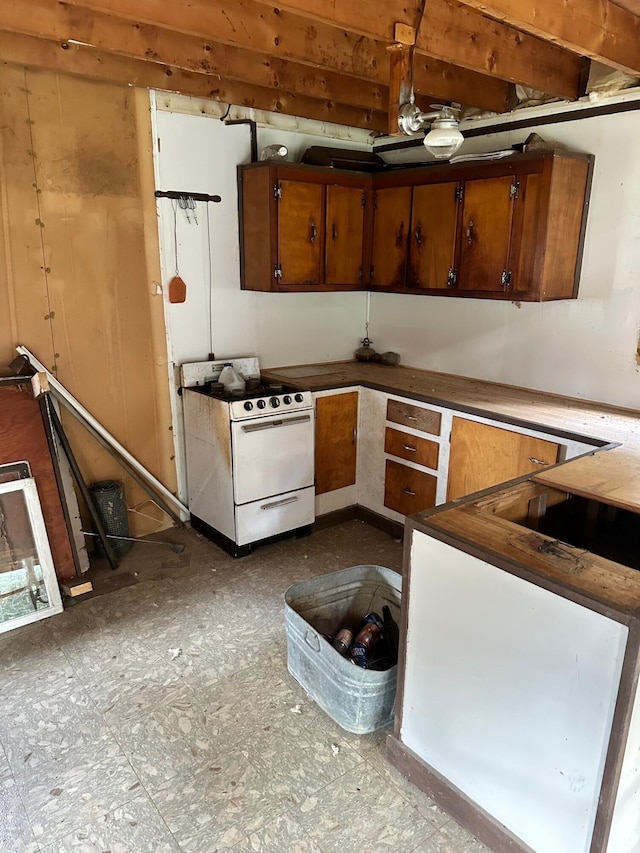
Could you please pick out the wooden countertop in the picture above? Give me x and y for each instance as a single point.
(476, 523)
(569, 415)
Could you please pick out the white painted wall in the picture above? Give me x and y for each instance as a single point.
(199, 153)
(583, 348)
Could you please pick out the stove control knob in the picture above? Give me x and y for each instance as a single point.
(274, 402)
(299, 398)
(248, 405)
(262, 404)
(286, 399)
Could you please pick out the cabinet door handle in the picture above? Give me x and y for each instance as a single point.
(400, 235)
(408, 447)
(538, 461)
(334, 231)
(313, 232)
(470, 232)
(409, 492)
(355, 435)
(418, 235)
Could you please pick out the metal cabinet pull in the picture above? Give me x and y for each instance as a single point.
(334, 231)
(412, 418)
(408, 447)
(313, 232)
(409, 492)
(355, 435)
(283, 502)
(470, 232)
(418, 235)
(538, 461)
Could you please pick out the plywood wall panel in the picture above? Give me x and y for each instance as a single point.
(93, 193)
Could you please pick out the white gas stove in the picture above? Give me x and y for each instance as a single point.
(250, 456)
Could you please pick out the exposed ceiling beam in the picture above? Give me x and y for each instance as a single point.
(89, 62)
(144, 41)
(599, 29)
(459, 35)
(254, 26)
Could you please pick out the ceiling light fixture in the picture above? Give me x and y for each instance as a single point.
(443, 139)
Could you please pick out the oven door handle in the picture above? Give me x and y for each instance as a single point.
(283, 502)
(272, 424)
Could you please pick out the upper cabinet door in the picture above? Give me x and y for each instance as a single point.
(432, 243)
(391, 222)
(485, 234)
(300, 232)
(344, 235)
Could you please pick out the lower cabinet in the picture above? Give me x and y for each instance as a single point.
(336, 441)
(401, 456)
(407, 490)
(482, 456)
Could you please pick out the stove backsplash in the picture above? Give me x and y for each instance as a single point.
(194, 373)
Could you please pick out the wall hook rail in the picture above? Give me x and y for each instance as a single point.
(175, 194)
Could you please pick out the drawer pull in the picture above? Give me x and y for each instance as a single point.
(538, 461)
(408, 447)
(277, 504)
(409, 492)
(412, 418)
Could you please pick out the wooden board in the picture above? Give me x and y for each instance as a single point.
(22, 438)
(482, 456)
(336, 441)
(81, 259)
(612, 477)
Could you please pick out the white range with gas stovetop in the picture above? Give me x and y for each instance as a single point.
(250, 456)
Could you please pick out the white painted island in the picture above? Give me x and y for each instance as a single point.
(517, 707)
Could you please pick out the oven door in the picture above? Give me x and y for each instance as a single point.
(272, 455)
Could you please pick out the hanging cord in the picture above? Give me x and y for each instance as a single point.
(210, 283)
(175, 234)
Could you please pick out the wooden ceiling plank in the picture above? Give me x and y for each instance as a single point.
(87, 61)
(192, 53)
(458, 35)
(599, 29)
(252, 25)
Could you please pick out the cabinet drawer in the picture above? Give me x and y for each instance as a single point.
(422, 419)
(406, 490)
(418, 450)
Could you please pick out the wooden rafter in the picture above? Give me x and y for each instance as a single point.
(599, 29)
(253, 26)
(100, 65)
(458, 35)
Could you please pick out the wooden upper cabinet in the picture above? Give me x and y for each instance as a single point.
(301, 227)
(485, 235)
(344, 234)
(391, 223)
(432, 242)
(300, 232)
(504, 229)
